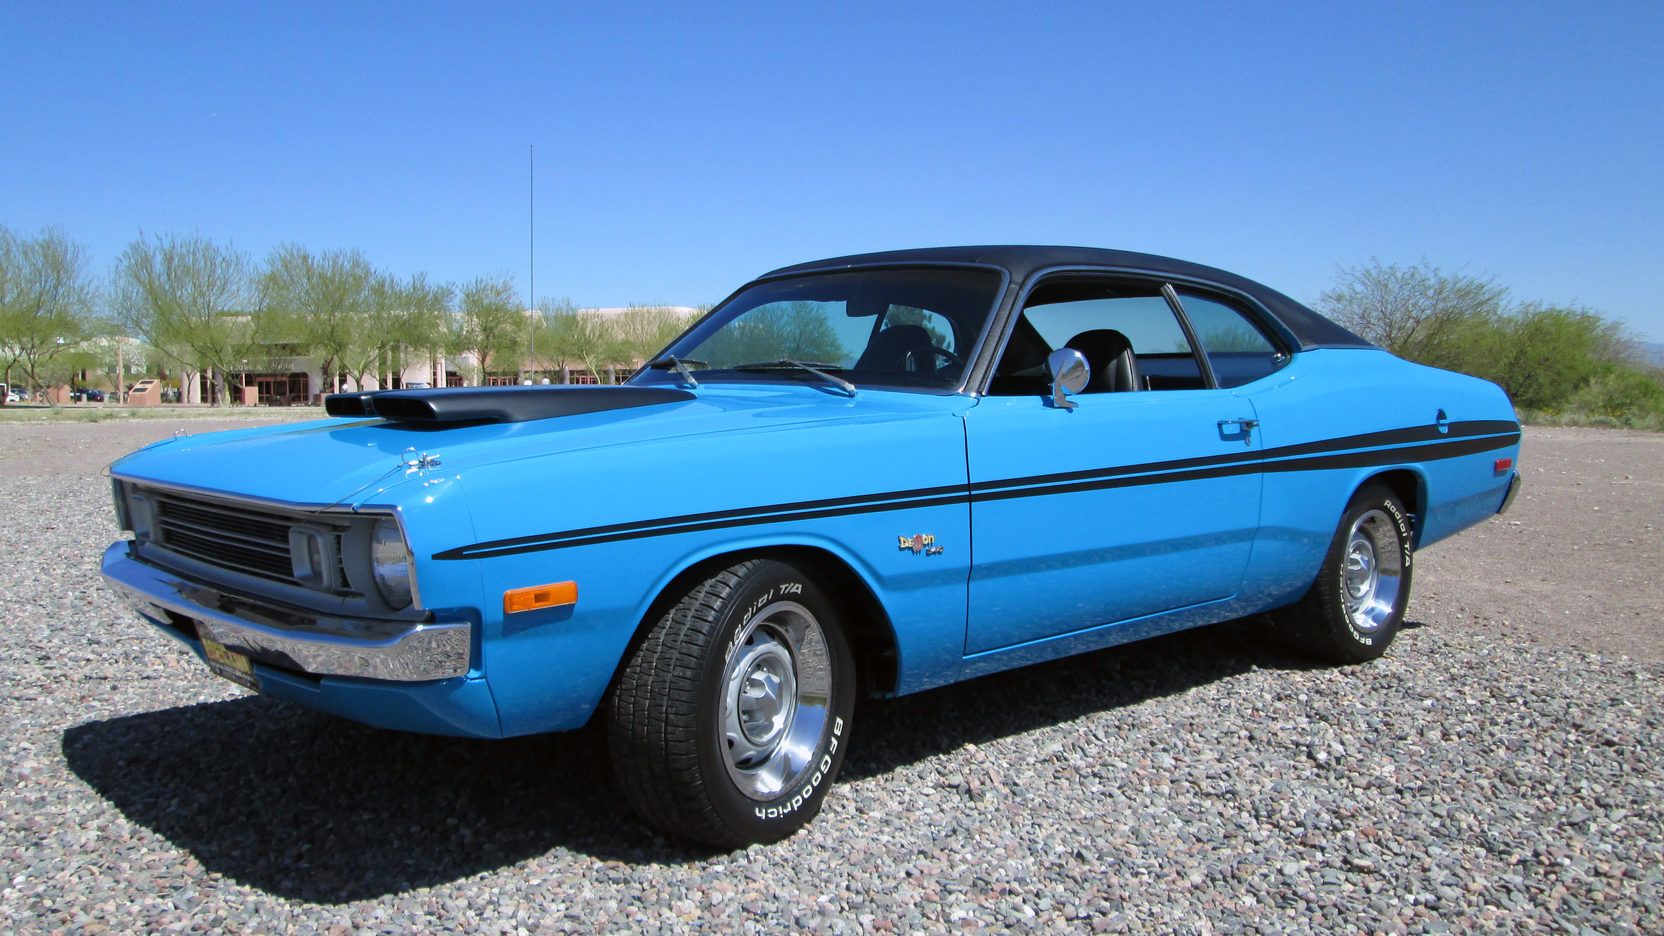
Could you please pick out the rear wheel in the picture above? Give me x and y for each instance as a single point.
(1356, 606)
(730, 721)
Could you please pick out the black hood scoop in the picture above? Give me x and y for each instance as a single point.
(454, 405)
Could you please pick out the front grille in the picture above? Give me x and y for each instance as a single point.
(242, 538)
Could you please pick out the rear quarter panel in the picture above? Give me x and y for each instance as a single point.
(1445, 429)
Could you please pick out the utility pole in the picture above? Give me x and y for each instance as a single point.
(531, 251)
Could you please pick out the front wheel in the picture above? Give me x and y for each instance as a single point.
(1356, 606)
(731, 719)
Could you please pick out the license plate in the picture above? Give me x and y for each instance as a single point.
(228, 663)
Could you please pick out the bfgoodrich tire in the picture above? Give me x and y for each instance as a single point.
(1356, 606)
(729, 722)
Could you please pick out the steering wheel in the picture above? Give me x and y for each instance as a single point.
(948, 356)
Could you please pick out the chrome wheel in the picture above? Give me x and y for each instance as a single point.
(776, 690)
(1371, 571)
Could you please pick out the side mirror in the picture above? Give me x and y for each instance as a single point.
(1068, 373)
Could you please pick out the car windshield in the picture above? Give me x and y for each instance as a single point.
(881, 327)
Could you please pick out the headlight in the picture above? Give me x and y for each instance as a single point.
(390, 563)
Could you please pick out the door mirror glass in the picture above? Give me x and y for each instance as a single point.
(1067, 372)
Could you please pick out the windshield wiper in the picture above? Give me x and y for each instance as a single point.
(681, 364)
(813, 368)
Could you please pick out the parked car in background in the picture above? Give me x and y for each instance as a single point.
(94, 395)
(867, 475)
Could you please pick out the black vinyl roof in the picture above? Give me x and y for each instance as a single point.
(1309, 328)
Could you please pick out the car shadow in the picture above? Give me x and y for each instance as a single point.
(892, 733)
(310, 807)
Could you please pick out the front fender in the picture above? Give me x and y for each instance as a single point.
(625, 523)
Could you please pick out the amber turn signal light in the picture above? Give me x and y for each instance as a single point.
(556, 595)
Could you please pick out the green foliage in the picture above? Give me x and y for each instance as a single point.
(1416, 312)
(46, 300)
(190, 300)
(1621, 393)
(324, 301)
(1555, 361)
(603, 344)
(494, 324)
(1554, 352)
(1229, 338)
(559, 338)
(643, 331)
(797, 330)
(419, 325)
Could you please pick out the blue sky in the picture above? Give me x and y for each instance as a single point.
(683, 148)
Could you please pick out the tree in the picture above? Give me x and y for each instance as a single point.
(1553, 352)
(374, 332)
(1547, 357)
(493, 322)
(421, 324)
(46, 300)
(324, 299)
(558, 339)
(643, 331)
(191, 300)
(1418, 312)
(795, 330)
(595, 343)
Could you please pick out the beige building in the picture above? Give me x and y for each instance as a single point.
(300, 380)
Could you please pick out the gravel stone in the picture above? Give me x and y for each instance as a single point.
(1499, 769)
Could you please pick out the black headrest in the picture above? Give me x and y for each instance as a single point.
(1109, 353)
(889, 349)
(1100, 344)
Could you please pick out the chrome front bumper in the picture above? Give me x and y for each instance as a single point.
(399, 651)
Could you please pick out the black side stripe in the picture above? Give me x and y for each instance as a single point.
(1366, 459)
(1458, 442)
(1391, 437)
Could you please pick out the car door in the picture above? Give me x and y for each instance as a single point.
(1143, 498)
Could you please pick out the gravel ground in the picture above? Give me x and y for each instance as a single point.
(1500, 769)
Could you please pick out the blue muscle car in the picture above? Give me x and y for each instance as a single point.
(873, 474)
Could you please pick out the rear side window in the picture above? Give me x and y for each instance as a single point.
(1237, 349)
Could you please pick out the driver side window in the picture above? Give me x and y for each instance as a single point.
(1128, 332)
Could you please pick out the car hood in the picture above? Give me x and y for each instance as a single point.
(354, 461)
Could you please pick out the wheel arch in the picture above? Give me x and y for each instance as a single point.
(1411, 487)
(867, 624)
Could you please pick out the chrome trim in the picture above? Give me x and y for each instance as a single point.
(776, 700)
(351, 579)
(268, 503)
(1372, 571)
(318, 645)
(1069, 373)
(1210, 380)
(1001, 297)
(1508, 498)
(1279, 335)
